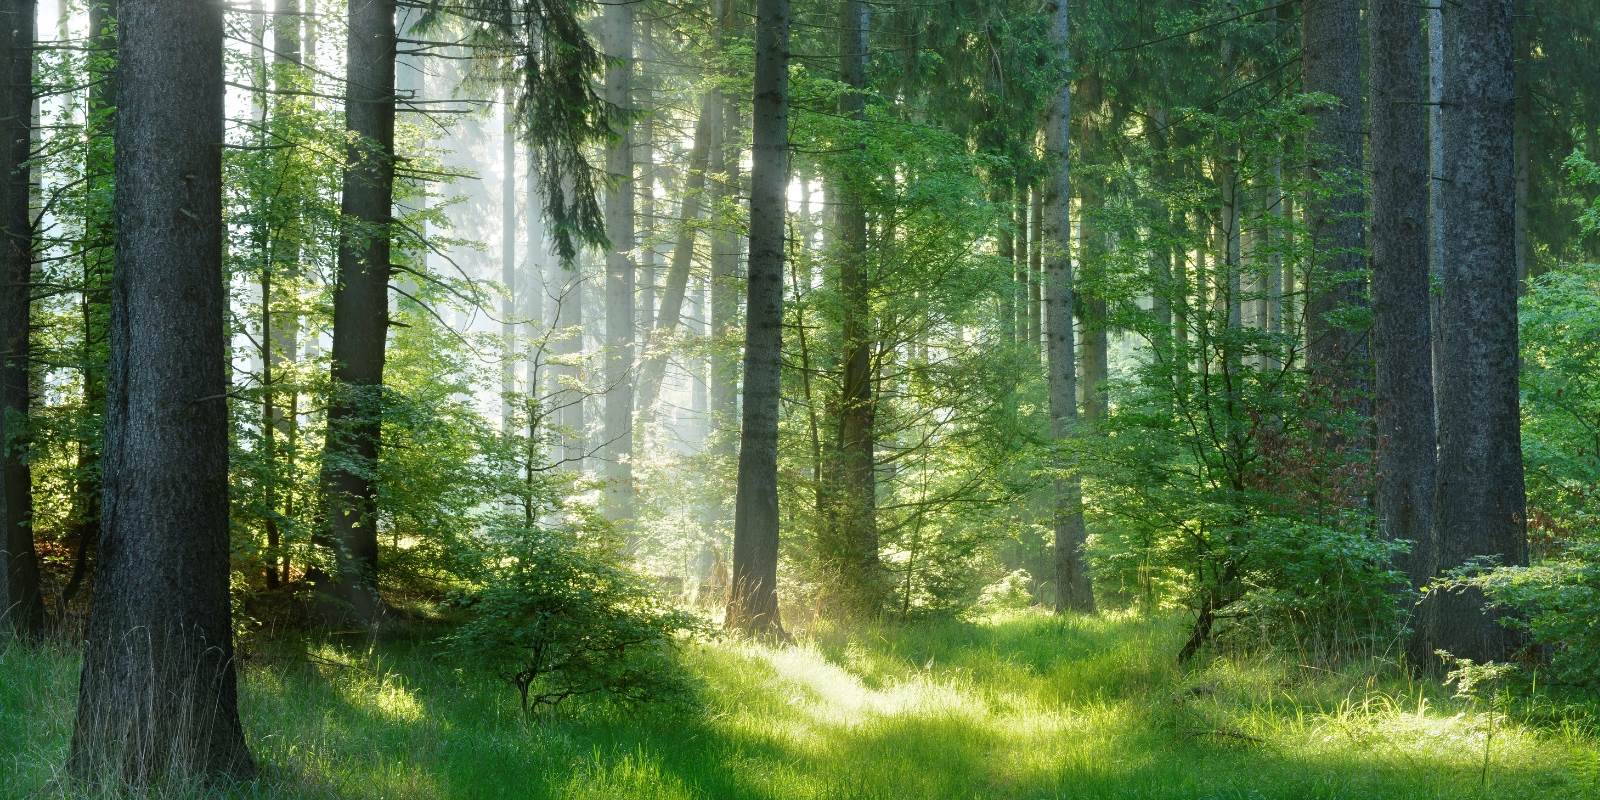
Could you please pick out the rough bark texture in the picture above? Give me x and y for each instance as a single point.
(753, 600)
(21, 603)
(1480, 499)
(1403, 413)
(1436, 188)
(1073, 592)
(157, 693)
(1336, 351)
(617, 424)
(360, 316)
(849, 539)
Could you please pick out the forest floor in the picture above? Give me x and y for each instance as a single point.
(1021, 706)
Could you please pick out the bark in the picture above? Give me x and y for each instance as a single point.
(360, 318)
(724, 388)
(1035, 271)
(1436, 188)
(753, 601)
(617, 423)
(1403, 412)
(856, 587)
(21, 604)
(1073, 592)
(1013, 321)
(1336, 352)
(509, 305)
(157, 694)
(655, 365)
(1480, 498)
(645, 139)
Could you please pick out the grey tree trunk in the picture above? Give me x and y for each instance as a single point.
(1073, 591)
(1336, 353)
(360, 318)
(753, 598)
(21, 604)
(510, 307)
(1034, 300)
(157, 694)
(1013, 319)
(1481, 506)
(1436, 187)
(617, 422)
(1403, 413)
(856, 588)
(724, 388)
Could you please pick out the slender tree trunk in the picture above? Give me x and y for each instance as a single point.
(753, 602)
(1436, 190)
(22, 603)
(1481, 506)
(567, 311)
(1337, 353)
(157, 694)
(645, 140)
(1035, 282)
(1403, 412)
(617, 428)
(1013, 319)
(360, 316)
(857, 584)
(694, 182)
(1073, 592)
(509, 305)
(724, 389)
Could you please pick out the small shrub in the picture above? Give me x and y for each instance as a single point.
(558, 616)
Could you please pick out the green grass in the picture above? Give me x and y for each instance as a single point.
(1025, 706)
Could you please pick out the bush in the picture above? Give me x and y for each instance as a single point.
(1556, 601)
(559, 616)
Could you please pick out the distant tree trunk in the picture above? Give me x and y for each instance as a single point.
(856, 585)
(1073, 592)
(1402, 348)
(724, 388)
(753, 600)
(157, 694)
(568, 399)
(1034, 300)
(694, 182)
(1013, 319)
(1336, 353)
(645, 141)
(23, 604)
(360, 316)
(1094, 367)
(1481, 505)
(617, 428)
(509, 305)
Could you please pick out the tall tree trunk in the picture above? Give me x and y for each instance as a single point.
(1481, 505)
(724, 388)
(157, 694)
(1402, 348)
(856, 585)
(360, 316)
(1073, 592)
(1336, 353)
(753, 600)
(1013, 322)
(22, 602)
(645, 141)
(655, 363)
(566, 301)
(617, 427)
(510, 306)
(1436, 191)
(1034, 301)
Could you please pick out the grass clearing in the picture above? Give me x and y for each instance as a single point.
(1022, 706)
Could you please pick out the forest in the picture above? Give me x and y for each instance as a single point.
(799, 399)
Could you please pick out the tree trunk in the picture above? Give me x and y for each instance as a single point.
(1481, 505)
(1073, 592)
(753, 600)
(1336, 353)
(510, 307)
(617, 424)
(157, 694)
(1436, 191)
(1013, 319)
(856, 586)
(360, 317)
(1403, 413)
(22, 602)
(1034, 301)
(724, 389)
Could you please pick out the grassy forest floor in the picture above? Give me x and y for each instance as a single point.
(1023, 706)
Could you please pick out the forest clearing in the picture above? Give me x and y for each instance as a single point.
(775, 399)
(1020, 705)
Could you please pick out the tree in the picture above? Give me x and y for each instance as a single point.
(1073, 592)
(1336, 342)
(753, 598)
(22, 602)
(360, 316)
(1481, 505)
(1402, 343)
(617, 429)
(157, 694)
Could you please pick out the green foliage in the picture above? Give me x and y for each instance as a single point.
(558, 615)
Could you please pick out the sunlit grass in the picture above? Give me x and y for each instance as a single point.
(1023, 706)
